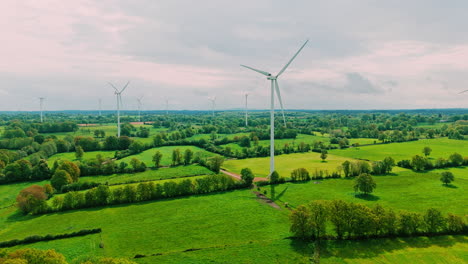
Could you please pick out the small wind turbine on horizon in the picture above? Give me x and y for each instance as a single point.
(167, 106)
(100, 106)
(275, 87)
(41, 104)
(139, 108)
(119, 104)
(213, 104)
(246, 115)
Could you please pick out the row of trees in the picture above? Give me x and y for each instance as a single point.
(130, 193)
(420, 163)
(355, 221)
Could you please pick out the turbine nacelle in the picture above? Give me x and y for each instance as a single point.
(272, 77)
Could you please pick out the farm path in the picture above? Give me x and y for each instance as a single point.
(238, 177)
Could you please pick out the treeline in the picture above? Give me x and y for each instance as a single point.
(357, 221)
(145, 191)
(48, 237)
(421, 163)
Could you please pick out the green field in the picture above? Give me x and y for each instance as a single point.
(147, 155)
(159, 174)
(71, 156)
(441, 148)
(8, 192)
(284, 164)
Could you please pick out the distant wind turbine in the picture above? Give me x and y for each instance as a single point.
(167, 106)
(139, 108)
(274, 86)
(119, 104)
(41, 104)
(463, 92)
(100, 106)
(246, 115)
(213, 104)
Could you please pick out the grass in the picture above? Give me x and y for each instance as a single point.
(441, 148)
(147, 155)
(159, 174)
(284, 164)
(71, 156)
(405, 190)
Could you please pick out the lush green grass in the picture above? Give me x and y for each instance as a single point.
(71, 156)
(174, 225)
(159, 174)
(8, 192)
(363, 141)
(405, 190)
(284, 164)
(147, 155)
(458, 172)
(441, 147)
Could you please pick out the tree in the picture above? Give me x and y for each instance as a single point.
(346, 168)
(176, 157)
(455, 223)
(79, 152)
(300, 222)
(446, 177)
(426, 151)
(135, 163)
(41, 170)
(274, 177)
(31, 199)
(300, 174)
(418, 163)
(364, 183)
(456, 159)
(188, 155)
(318, 215)
(157, 158)
(324, 155)
(34, 256)
(434, 220)
(215, 163)
(60, 178)
(247, 176)
(389, 163)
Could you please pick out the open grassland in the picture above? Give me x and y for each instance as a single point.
(458, 172)
(174, 225)
(72, 157)
(402, 191)
(159, 174)
(285, 164)
(441, 148)
(147, 155)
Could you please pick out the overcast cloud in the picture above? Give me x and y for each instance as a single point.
(361, 54)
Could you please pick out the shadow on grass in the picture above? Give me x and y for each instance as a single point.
(275, 197)
(450, 186)
(374, 247)
(367, 197)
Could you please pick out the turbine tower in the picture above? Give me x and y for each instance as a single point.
(139, 108)
(100, 106)
(41, 104)
(213, 104)
(246, 115)
(275, 87)
(119, 104)
(167, 106)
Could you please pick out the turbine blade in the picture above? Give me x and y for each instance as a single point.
(463, 92)
(286, 66)
(280, 101)
(125, 87)
(113, 87)
(259, 71)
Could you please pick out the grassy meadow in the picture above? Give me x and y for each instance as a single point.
(147, 155)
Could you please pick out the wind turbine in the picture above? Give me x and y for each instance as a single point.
(246, 97)
(213, 104)
(41, 104)
(463, 92)
(100, 106)
(139, 108)
(274, 86)
(167, 106)
(119, 104)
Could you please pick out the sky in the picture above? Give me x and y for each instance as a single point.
(365, 54)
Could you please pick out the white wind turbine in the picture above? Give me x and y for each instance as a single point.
(100, 106)
(167, 106)
(139, 108)
(119, 104)
(274, 86)
(213, 104)
(246, 115)
(41, 104)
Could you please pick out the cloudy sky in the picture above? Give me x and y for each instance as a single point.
(361, 54)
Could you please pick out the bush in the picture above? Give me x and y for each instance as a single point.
(247, 176)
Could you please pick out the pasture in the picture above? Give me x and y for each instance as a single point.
(87, 155)
(441, 148)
